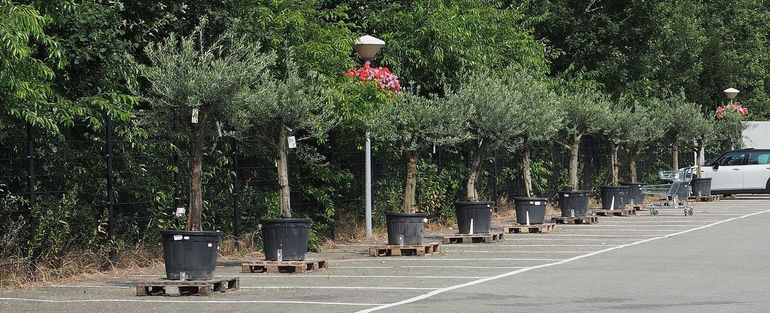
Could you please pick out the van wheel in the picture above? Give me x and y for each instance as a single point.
(767, 186)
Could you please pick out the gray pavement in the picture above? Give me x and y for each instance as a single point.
(717, 260)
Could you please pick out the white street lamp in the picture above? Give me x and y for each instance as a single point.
(731, 93)
(367, 46)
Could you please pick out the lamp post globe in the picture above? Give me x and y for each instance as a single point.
(731, 93)
(367, 46)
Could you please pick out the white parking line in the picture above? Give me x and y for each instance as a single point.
(187, 301)
(476, 282)
(428, 266)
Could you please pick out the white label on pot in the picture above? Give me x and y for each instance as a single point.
(177, 237)
(210, 245)
(425, 220)
(537, 202)
(279, 254)
(180, 211)
(566, 195)
(186, 237)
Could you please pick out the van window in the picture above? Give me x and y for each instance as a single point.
(734, 158)
(760, 157)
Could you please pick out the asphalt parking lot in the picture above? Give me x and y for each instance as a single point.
(717, 260)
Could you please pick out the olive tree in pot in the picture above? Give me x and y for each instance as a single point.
(196, 85)
(582, 108)
(540, 119)
(704, 131)
(680, 130)
(414, 124)
(641, 126)
(294, 109)
(493, 115)
(614, 196)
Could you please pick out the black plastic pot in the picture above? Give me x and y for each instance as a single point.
(613, 197)
(405, 228)
(190, 255)
(635, 195)
(285, 239)
(701, 186)
(474, 217)
(532, 207)
(574, 203)
(684, 191)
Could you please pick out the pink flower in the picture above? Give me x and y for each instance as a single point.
(734, 106)
(381, 75)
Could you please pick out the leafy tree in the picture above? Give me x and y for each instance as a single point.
(432, 42)
(492, 104)
(198, 85)
(414, 124)
(641, 126)
(682, 118)
(290, 105)
(612, 130)
(29, 57)
(582, 107)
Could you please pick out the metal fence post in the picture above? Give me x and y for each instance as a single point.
(110, 191)
(236, 189)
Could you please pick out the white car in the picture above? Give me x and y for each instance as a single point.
(739, 171)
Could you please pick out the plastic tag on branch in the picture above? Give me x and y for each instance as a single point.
(292, 141)
(194, 117)
(179, 211)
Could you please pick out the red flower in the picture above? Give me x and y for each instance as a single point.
(381, 75)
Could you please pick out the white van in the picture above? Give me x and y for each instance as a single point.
(739, 171)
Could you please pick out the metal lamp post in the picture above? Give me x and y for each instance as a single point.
(366, 47)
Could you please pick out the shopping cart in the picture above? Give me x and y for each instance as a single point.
(671, 193)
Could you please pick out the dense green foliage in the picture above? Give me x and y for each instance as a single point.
(542, 86)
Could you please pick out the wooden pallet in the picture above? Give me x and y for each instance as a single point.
(406, 250)
(575, 220)
(284, 266)
(175, 288)
(639, 207)
(492, 236)
(704, 198)
(534, 228)
(623, 212)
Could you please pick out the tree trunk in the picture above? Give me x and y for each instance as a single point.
(473, 175)
(527, 171)
(283, 173)
(574, 152)
(675, 156)
(411, 182)
(194, 218)
(614, 163)
(698, 164)
(633, 156)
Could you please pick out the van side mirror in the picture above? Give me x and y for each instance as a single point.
(715, 165)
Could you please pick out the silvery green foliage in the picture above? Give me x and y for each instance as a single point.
(584, 110)
(186, 73)
(641, 122)
(505, 107)
(681, 119)
(416, 123)
(298, 103)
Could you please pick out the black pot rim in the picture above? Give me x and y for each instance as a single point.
(301, 220)
(529, 199)
(629, 183)
(699, 178)
(474, 202)
(191, 232)
(575, 191)
(405, 214)
(613, 187)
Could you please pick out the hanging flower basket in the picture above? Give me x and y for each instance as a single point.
(732, 107)
(381, 75)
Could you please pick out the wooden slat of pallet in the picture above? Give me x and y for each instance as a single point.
(704, 198)
(534, 228)
(575, 220)
(473, 238)
(174, 288)
(624, 212)
(264, 266)
(406, 250)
